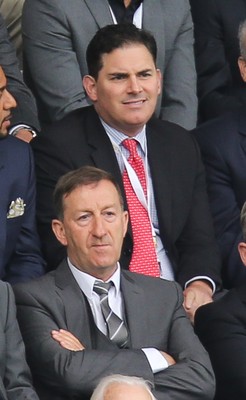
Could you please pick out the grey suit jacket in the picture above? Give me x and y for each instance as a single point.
(26, 111)
(155, 318)
(56, 34)
(15, 377)
(11, 11)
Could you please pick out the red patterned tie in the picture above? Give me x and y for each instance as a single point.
(144, 259)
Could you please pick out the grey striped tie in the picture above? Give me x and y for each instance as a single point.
(116, 328)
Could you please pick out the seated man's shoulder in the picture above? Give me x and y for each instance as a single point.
(219, 130)
(68, 126)
(155, 286)
(38, 287)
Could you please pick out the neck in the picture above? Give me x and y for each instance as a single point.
(127, 3)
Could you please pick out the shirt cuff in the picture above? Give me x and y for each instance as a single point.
(18, 127)
(202, 278)
(156, 360)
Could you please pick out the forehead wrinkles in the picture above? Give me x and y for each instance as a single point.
(121, 58)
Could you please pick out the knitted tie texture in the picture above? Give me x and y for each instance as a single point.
(116, 328)
(144, 259)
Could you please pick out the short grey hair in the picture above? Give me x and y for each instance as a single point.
(243, 221)
(106, 382)
(242, 39)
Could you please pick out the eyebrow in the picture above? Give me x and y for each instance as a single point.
(127, 73)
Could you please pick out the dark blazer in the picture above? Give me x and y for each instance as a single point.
(220, 86)
(55, 38)
(178, 181)
(20, 257)
(15, 377)
(221, 326)
(223, 146)
(155, 318)
(26, 111)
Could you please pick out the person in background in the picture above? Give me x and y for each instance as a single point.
(223, 147)
(221, 327)
(220, 87)
(24, 122)
(20, 256)
(89, 318)
(121, 387)
(56, 34)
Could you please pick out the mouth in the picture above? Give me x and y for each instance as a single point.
(7, 118)
(134, 102)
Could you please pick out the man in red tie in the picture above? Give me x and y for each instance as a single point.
(156, 163)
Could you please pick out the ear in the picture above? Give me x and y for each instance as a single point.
(242, 251)
(59, 231)
(90, 87)
(125, 217)
(242, 67)
(160, 81)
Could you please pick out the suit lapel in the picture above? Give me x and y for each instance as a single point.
(76, 315)
(135, 310)
(160, 159)
(100, 11)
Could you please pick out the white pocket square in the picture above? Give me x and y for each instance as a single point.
(16, 208)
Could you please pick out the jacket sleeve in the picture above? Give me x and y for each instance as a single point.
(52, 67)
(179, 102)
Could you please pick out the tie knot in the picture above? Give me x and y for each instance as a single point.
(102, 288)
(131, 146)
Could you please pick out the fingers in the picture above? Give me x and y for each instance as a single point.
(67, 340)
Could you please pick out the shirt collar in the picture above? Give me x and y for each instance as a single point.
(86, 281)
(117, 137)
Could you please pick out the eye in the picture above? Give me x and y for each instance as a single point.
(109, 215)
(145, 74)
(84, 218)
(118, 77)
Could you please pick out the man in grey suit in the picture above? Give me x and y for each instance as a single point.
(56, 34)
(76, 335)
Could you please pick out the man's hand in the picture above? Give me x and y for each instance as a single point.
(170, 360)
(24, 135)
(196, 294)
(67, 340)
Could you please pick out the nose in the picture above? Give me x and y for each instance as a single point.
(134, 85)
(8, 100)
(98, 227)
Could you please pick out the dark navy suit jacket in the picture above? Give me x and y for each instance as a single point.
(221, 326)
(223, 146)
(20, 257)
